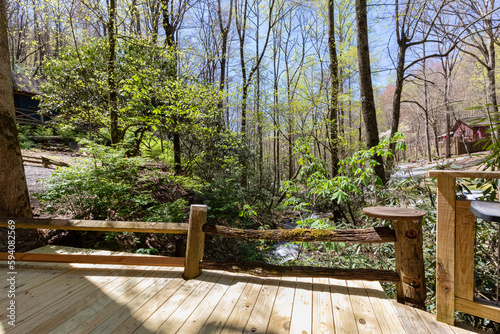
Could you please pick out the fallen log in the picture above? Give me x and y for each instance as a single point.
(362, 236)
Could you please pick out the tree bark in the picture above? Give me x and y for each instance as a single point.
(113, 97)
(363, 236)
(14, 197)
(334, 96)
(365, 85)
(223, 58)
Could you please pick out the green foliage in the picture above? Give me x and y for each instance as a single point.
(151, 95)
(355, 178)
(113, 186)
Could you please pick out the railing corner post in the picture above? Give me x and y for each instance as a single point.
(195, 241)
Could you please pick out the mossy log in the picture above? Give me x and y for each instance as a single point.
(266, 270)
(362, 236)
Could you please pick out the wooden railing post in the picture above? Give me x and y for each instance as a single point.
(445, 249)
(195, 241)
(408, 252)
(410, 262)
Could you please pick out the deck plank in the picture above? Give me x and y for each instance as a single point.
(146, 310)
(86, 304)
(386, 315)
(411, 321)
(95, 303)
(173, 323)
(119, 308)
(301, 322)
(170, 305)
(322, 322)
(34, 303)
(133, 299)
(40, 311)
(343, 314)
(433, 325)
(243, 308)
(281, 313)
(261, 313)
(218, 318)
(366, 320)
(194, 323)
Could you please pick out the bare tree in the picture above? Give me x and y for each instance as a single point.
(365, 85)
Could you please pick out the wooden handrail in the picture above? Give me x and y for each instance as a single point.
(465, 174)
(96, 225)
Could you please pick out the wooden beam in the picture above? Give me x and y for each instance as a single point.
(410, 263)
(265, 270)
(464, 174)
(464, 252)
(195, 241)
(487, 311)
(134, 260)
(445, 250)
(96, 225)
(369, 235)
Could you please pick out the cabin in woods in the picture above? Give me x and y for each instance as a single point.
(25, 90)
(467, 136)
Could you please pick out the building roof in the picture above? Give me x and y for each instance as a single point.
(475, 121)
(25, 83)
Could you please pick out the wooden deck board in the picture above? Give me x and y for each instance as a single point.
(139, 299)
(366, 320)
(261, 313)
(322, 307)
(243, 308)
(343, 315)
(301, 322)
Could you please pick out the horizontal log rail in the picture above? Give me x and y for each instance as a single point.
(266, 270)
(362, 236)
(135, 260)
(96, 225)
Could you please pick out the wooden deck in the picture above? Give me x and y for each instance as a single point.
(81, 298)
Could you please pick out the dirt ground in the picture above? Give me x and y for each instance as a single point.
(37, 174)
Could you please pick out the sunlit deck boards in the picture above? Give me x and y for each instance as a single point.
(131, 299)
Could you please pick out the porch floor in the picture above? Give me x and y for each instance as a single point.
(81, 298)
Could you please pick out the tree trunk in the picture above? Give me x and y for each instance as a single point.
(365, 85)
(334, 97)
(398, 90)
(223, 58)
(113, 97)
(426, 109)
(14, 198)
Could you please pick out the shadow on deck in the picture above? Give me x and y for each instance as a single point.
(86, 298)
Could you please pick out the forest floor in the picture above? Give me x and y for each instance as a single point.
(36, 175)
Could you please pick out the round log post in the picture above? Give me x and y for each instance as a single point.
(195, 241)
(408, 252)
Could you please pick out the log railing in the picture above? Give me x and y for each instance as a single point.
(455, 250)
(196, 229)
(369, 235)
